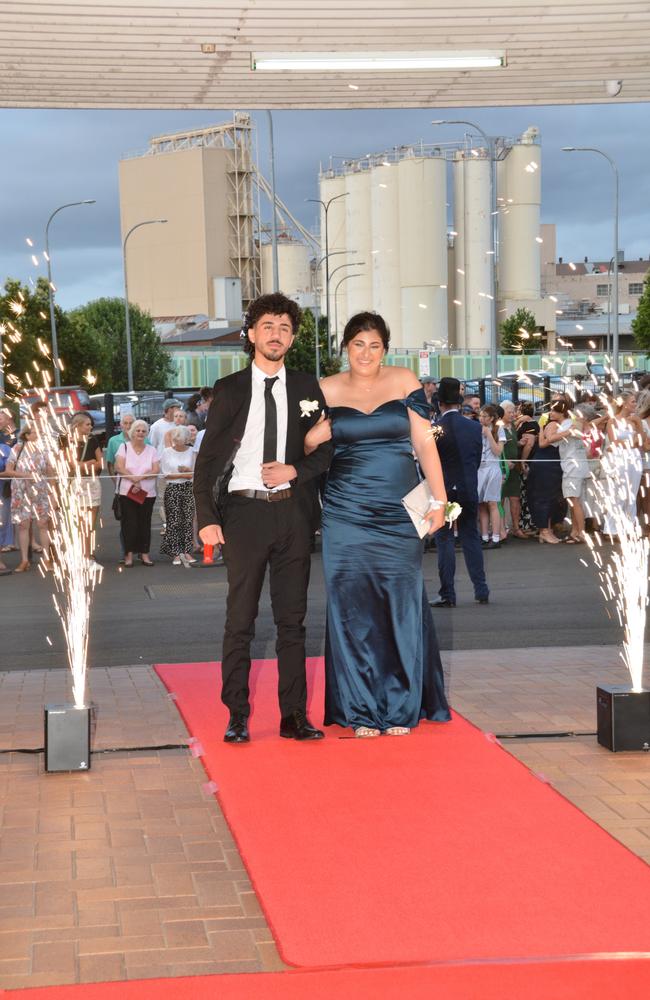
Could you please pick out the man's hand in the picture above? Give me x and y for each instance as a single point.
(276, 473)
(436, 519)
(212, 534)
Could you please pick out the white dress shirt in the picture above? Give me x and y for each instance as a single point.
(247, 472)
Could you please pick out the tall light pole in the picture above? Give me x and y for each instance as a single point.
(493, 231)
(600, 152)
(352, 263)
(127, 318)
(325, 205)
(336, 308)
(274, 221)
(50, 285)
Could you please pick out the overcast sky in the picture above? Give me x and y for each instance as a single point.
(51, 157)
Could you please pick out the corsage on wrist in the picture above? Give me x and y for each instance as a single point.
(452, 509)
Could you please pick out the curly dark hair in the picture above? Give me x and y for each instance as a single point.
(366, 321)
(276, 304)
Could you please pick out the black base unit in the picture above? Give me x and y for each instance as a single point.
(623, 717)
(67, 738)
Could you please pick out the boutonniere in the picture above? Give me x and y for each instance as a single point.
(308, 406)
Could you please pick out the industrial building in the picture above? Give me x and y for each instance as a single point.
(205, 259)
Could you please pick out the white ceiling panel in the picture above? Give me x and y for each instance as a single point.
(140, 54)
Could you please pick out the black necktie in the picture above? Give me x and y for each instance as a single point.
(270, 422)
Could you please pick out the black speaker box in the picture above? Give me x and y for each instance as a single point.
(67, 738)
(623, 717)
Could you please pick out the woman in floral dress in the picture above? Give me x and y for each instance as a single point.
(29, 468)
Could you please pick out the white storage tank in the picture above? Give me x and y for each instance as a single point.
(520, 191)
(355, 294)
(458, 278)
(294, 272)
(385, 259)
(423, 250)
(477, 251)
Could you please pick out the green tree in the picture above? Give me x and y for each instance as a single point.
(302, 356)
(513, 328)
(641, 322)
(25, 316)
(104, 321)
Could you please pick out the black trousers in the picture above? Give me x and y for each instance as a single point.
(260, 534)
(136, 524)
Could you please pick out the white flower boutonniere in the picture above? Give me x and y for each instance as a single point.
(308, 406)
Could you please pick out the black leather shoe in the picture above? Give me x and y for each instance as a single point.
(482, 600)
(298, 727)
(237, 731)
(442, 603)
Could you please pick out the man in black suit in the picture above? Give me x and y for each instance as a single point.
(459, 446)
(255, 492)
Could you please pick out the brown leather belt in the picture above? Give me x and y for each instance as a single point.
(263, 494)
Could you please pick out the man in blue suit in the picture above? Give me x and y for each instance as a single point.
(459, 446)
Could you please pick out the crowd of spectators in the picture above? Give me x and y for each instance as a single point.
(580, 465)
(541, 474)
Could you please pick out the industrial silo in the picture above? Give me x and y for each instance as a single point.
(385, 258)
(423, 250)
(355, 293)
(294, 271)
(458, 280)
(477, 251)
(520, 195)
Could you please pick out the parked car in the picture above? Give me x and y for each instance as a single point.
(65, 401)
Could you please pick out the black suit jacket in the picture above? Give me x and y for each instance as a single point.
(459, 446)
(224, 431)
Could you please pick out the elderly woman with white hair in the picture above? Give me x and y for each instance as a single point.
(177, 466)
(137, 468)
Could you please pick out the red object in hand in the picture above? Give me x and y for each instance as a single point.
(208, 551)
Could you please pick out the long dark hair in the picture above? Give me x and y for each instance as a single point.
(366, 321)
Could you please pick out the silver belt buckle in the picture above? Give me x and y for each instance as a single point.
(268, 496)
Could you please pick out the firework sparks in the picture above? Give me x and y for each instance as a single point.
(623, 571)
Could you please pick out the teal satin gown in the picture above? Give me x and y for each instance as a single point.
(382, 663)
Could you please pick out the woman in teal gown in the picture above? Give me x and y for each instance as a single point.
(382, 664)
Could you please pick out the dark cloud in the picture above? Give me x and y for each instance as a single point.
(50, 157)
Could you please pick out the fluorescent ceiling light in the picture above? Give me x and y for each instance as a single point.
(305, 62)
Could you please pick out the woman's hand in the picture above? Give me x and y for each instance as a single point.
(319, 433)
(436, 519)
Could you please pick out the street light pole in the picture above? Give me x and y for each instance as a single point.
(336, 305)
(127, 318)
(493, 233)
(352, 263)
(609, 303)
(600, 152)
(326, 206)
(50, 285)
(274, 221)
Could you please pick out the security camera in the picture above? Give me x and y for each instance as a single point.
(613, 87)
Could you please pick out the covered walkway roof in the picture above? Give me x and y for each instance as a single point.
(193, 55)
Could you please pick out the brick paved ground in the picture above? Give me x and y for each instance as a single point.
(129, 871)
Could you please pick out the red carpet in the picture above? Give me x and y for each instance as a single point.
(435, 847)
(613, 980)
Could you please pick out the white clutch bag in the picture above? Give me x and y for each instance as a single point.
(417, 504)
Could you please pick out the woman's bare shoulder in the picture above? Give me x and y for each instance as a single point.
(404, 378)
(332, 386)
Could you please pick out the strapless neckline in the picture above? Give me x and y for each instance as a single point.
(365, 413)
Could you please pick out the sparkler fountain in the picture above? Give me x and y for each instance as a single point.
(67, 727)
(623, 712)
